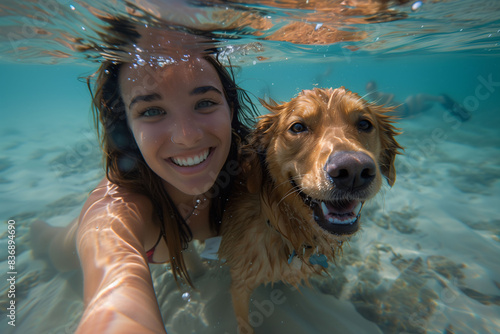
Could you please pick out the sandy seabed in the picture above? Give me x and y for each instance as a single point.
(426, 260)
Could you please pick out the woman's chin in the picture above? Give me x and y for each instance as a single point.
(192, 188)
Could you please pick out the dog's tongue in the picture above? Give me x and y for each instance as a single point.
(340, 208)
(344, 212)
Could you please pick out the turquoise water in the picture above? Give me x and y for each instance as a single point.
(426, 260)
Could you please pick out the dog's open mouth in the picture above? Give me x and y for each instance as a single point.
(337, 217)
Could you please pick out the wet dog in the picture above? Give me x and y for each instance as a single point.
(310, 165)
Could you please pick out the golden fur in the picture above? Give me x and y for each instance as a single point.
(289, 173)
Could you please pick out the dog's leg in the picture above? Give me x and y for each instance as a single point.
(241, 298)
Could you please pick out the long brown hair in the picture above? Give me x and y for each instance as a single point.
(125, 166)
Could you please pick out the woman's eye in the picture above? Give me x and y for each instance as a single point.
(365, 125)
(298, 127)
(151, 112)
(204, 104)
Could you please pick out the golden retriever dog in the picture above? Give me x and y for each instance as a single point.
(311, 164)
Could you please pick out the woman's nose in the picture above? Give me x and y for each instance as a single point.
(186, 131)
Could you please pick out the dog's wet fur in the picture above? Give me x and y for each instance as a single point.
(311, 164)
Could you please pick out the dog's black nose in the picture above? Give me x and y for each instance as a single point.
(350, 170)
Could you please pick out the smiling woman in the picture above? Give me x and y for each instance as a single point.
(170, 134)
(182, 119)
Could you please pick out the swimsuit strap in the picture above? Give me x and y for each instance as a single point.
(150, 252)
(162, 233)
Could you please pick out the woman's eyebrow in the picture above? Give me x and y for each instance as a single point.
(145, 98)
(204, 89)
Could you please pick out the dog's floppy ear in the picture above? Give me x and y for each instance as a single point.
(262, 134)
(255, 152)
(390, 147)
(252, 169)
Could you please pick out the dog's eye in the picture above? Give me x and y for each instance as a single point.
(298, 127)
(365, 125)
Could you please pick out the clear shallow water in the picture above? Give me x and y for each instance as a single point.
(427, 258)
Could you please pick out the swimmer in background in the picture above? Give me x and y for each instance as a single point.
(170, 134)
(416, 104)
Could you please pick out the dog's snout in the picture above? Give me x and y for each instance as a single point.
(350, 170)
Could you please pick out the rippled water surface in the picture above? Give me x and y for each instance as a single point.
(426, 260)
(53, 31)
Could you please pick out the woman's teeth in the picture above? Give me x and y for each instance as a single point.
(191, 161)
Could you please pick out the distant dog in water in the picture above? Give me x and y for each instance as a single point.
(310, 165)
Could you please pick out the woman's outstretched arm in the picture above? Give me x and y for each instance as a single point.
(118, 290)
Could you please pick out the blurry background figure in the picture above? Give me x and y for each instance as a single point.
(416, 104)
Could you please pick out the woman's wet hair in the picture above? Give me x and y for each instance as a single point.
(125, 166)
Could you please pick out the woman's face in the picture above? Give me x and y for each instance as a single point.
(180, 120)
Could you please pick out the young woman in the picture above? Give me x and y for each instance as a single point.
(170, 134)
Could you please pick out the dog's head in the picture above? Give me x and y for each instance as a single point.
(331, 147)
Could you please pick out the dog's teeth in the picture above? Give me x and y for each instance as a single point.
(357, 209)
(325, 209)
(335, 219)
(342, 222)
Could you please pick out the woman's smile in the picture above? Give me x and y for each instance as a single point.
(191, 160)
(192, 163)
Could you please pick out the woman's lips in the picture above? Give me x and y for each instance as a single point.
(192, 164)
(191, 161)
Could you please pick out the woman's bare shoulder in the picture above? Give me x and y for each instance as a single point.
(109, 203)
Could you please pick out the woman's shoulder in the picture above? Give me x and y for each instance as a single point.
(116, 202)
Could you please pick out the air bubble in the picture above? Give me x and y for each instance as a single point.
(162, 61)
(186, 296)
(416, 5)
